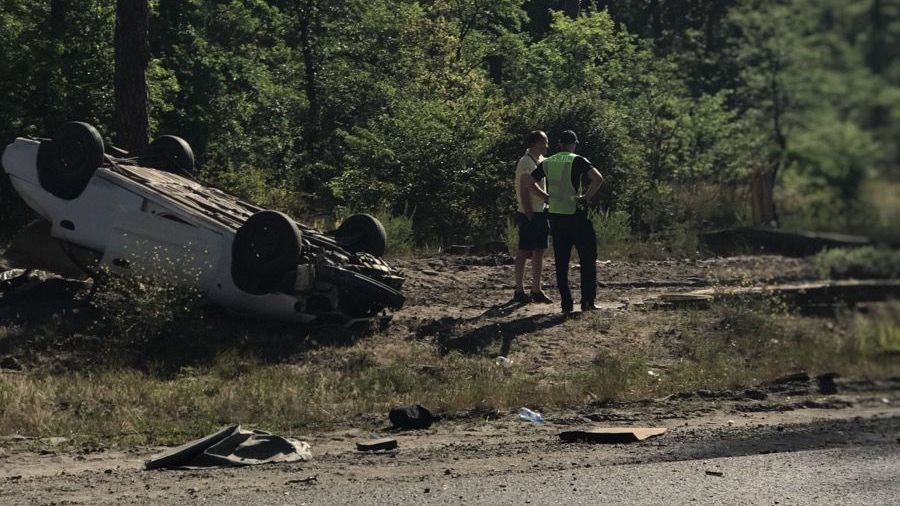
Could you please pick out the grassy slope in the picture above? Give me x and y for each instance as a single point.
(725, 347)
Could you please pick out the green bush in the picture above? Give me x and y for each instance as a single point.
(399, 230)
(391, 104)
(613, 233)
(511, 236)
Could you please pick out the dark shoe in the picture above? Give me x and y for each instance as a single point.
(566, 308)
(589, 306)
(541, 297)
(521, 298)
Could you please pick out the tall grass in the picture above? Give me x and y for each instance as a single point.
(867, 262)
(399, 230)
(883, 196)
(745, 344)
(613, 231)
(511, 236)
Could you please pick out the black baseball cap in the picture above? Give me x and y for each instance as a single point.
(568, 137)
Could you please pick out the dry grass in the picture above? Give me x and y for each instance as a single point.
(744, 346)
(726, 347)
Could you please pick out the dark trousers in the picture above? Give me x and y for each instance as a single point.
(574, 230)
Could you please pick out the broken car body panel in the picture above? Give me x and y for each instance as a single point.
(146, 221)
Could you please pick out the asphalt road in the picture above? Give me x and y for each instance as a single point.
(861, 475)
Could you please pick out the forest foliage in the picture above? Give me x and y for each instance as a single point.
(420, 107)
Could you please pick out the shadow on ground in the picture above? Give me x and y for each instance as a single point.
(472, 335)
(48, 325)
(814, 436)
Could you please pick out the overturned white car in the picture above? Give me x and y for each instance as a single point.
(147, 215)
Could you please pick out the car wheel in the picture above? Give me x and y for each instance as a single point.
(66, 163)
(265, 248)
(362, 233)
(170, 154)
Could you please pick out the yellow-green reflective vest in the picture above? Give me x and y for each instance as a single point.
(558, 169)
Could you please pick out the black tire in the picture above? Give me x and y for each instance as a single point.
(265, 249)
(66, 164)
(169, 153)
(362, 233)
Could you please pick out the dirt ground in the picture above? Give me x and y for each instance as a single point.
(783, 417)
(460, 304)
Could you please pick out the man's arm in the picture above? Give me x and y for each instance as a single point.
(596, 180)
(585, 167)
(536, 189)
(525, 184)
(536, 176)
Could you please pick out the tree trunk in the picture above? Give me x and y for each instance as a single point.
(572, 8)
(132, 54)
(57, 17)
(308, 18)
(761, 192)
(49, 67)
(656, 22)
(877, 51)
(768, 214)
(495, 68)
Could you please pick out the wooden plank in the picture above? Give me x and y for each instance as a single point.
(800, 294)
(782, 242)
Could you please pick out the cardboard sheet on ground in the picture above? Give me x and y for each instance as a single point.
(232, 446)
(611, 434)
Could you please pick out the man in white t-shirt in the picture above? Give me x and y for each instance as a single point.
(534, 228)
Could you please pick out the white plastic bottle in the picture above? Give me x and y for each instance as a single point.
(530, 416)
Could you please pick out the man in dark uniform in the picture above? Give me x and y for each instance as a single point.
(567, 174)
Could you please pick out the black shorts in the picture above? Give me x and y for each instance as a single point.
(533, 233)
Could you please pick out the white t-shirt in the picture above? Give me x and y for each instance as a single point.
(526, 166)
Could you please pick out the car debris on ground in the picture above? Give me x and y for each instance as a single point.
(232, 446)
(411, 417)
(384, 443)
(611, 435)
(825, 383)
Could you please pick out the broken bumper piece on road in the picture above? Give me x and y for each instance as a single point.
(232, 446)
